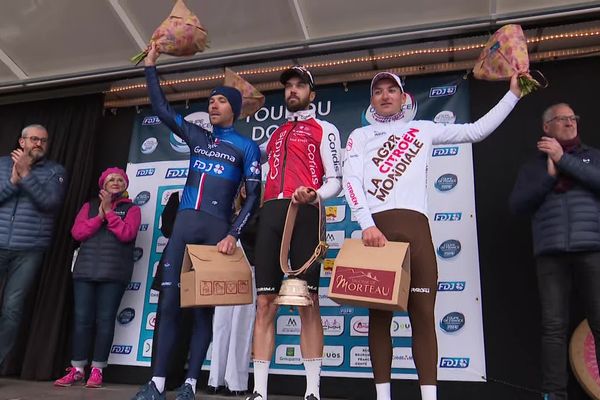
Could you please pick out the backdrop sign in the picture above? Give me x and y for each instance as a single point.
(158, 166)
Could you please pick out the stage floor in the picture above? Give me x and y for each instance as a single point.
(14, 389)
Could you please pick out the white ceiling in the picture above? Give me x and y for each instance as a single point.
(53, 41)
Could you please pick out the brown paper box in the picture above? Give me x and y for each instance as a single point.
(210, 278)
(373, 277)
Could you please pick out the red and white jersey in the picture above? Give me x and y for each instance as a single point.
(306, 152)
(385, 164)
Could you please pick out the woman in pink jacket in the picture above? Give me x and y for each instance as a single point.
(107, 228)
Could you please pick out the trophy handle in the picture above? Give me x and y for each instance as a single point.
(284, 251)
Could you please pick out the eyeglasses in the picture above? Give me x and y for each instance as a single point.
(35, 139)
(564, 119)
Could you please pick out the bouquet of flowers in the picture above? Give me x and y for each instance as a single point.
(181, 34)
(252, 99)
(503, 55)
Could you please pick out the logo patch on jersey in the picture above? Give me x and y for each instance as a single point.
(255, 168)
(392, 160)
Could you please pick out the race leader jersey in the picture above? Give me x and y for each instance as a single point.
(219, 161)
(385, 164)
(306, 152)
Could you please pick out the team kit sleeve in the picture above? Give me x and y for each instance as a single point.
(330, 155)
(161, 107)
(252, 182)
(353, 180)
(478, 130)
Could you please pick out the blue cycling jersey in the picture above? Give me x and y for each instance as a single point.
(219, 161)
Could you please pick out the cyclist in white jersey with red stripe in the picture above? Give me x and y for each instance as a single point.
(385, 177)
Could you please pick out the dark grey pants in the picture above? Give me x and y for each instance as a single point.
(558, 275)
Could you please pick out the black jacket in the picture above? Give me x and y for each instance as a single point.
(561, 222)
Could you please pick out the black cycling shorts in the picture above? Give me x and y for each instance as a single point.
(305, 239)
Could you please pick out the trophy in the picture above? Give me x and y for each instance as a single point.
(294, 290)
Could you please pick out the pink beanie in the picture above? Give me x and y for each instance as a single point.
(112, 170)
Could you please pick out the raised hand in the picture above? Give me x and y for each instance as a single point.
(152, 56)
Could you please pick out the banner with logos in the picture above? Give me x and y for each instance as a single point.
(158, 166)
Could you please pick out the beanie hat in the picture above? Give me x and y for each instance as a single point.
(233, 96)
(112, 170)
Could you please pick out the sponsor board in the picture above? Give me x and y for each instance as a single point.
(452, 322)
(288, 354)
(121, 349)
(333, 356)
(401, 327)
(402, 358)
(451, 286)
(126, 316)
(288, 325)
(335, 239)
(360, 357)
(454, 362)
(359, 326)
(151, 321)
(333, 325)
(444, 151)
(335, 214)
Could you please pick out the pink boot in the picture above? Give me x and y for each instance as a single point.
(95, 379)
(72, 376)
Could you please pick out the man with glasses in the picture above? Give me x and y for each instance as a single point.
(32, 189)
(560, 189)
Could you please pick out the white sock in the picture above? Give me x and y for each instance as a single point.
(159, 381)
(79, 369)
(312, 367)
(428, 392)
(261, 377)
(192, 382)
(384, 391)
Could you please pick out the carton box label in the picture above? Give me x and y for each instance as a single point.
(364, 282)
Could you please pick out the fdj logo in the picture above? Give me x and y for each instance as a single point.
(447, 216)
(444, 151)
(454, 362)
(451, 286)
(120, 349)
(133, 286)
(145, 172)
(176, 173)
(143, 227)
(151, 120)
(442, 91)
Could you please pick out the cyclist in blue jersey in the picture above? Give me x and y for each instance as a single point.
(219, 162)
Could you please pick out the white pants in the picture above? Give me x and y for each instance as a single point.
(232, 345)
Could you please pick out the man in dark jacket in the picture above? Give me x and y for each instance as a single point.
(32, 189)
(560, 189)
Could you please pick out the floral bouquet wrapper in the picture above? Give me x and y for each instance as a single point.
(252, 99)
(504, 54)
(181, 34)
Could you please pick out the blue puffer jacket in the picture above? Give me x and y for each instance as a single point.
(561, 222)
(28, 209)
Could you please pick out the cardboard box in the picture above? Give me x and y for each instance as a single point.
(210, 278)
(373, 277)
